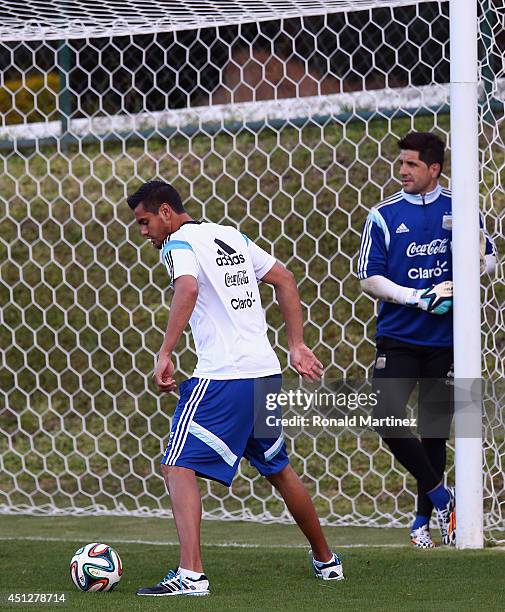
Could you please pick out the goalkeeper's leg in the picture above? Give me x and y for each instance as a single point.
(435, 449)
(398, 367)
(435, 417)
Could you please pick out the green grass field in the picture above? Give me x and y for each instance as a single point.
(251, 566)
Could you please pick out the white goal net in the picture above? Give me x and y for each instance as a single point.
(280, 118)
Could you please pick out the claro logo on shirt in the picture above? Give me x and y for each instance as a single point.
(242, 303)
(227, 255)
(439, 269)
(439, 245)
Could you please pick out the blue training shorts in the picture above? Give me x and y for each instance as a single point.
(213, 428)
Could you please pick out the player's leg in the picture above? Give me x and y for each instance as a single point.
(187, 511)
(397, 369)
(436, 450)
(435, 417)
(299, 503)
(210, 430)
(325, 563)
(395, 376)
(188, 578)
(184, 456)
(266, 451)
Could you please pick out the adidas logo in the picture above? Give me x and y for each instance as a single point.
(402, 229)
(227, 255)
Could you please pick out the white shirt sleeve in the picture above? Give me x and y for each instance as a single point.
(262, 261)
(180, 260)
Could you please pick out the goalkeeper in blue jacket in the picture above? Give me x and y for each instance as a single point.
(405, 261)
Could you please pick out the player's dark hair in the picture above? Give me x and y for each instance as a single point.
(155, 193)
(430, 147)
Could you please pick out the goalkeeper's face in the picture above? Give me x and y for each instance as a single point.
(154, 226)
(416, 176)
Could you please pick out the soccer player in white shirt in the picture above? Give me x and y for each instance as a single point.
(215, 272)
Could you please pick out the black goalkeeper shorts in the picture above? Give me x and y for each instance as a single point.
(398, 368)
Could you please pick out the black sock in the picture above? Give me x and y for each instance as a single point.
(435, 449)
(412, 455)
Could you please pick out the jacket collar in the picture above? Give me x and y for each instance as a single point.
(428, 198)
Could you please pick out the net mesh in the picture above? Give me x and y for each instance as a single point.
(284, 127)
(56, 19)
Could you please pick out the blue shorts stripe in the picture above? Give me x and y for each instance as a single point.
(189, 420)
(186, 411)
(175, 436)
(274, 449)
(164, 458)
(208, 438)
(185, 420)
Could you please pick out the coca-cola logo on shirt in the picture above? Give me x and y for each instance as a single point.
(236, 279)
(435, 247)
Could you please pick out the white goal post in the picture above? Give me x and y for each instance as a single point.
(280, 118)
(465, 250)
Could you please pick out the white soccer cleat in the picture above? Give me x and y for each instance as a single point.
(176, 584)
(447, 520)
(332, 570)
(421, 537)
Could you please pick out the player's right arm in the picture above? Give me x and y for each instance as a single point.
(372, 272)
(181, 308)
(182, 267)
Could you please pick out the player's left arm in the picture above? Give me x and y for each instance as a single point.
(301, 358)
(183, 304)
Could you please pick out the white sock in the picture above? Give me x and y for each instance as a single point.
(318, 563)
(189, 574)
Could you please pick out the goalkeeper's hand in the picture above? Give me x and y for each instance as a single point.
(436, 299)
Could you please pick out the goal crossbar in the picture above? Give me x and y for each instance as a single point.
(76, 19)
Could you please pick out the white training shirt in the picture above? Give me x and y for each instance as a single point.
(228, 322)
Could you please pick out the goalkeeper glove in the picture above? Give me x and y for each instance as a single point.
(436, 299)
(482, 249)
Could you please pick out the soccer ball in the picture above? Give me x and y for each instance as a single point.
(96, 567)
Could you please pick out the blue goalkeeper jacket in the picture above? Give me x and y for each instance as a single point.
(407, 238)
